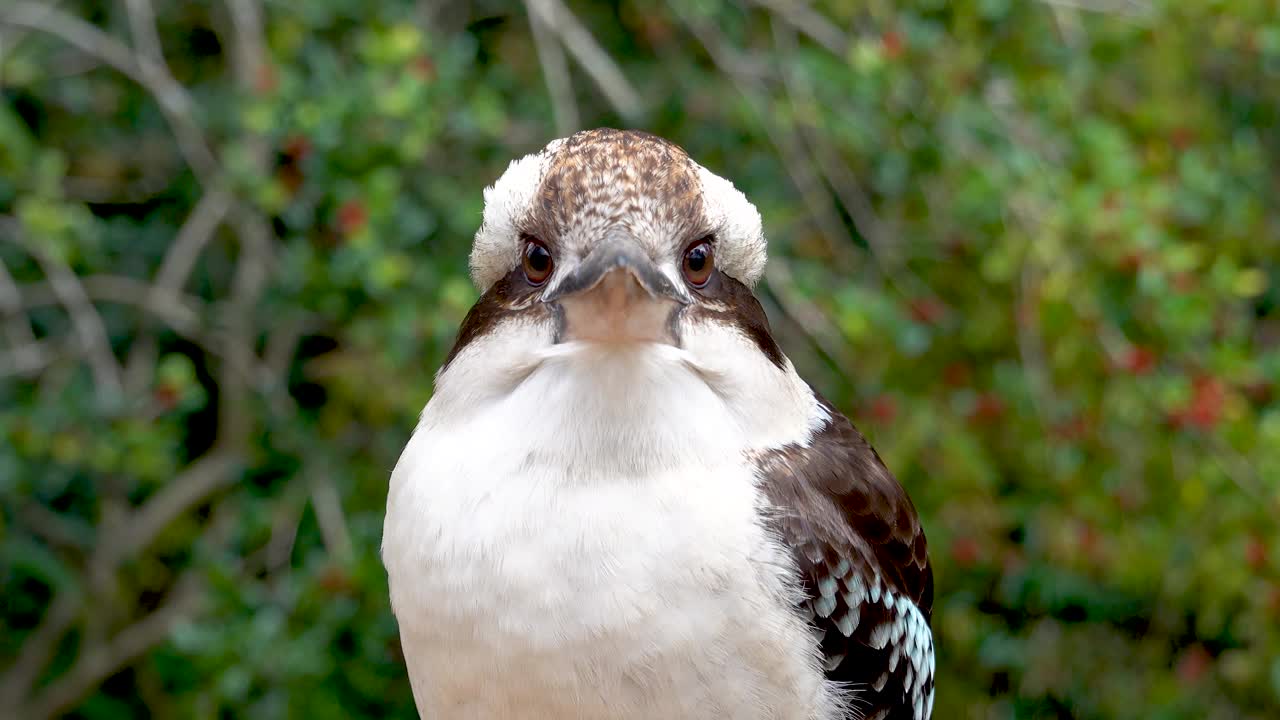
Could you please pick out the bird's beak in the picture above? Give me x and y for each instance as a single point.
(617, 294)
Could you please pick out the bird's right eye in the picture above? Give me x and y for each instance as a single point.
(698, 263)
(537, 262)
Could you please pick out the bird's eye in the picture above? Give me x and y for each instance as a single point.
(698, 263)
(537, 262)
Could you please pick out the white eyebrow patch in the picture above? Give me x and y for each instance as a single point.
(497, 245)
(740, 250)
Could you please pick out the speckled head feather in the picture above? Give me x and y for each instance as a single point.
(580, 189)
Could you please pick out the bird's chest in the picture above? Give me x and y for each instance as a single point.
(527, 587)
(507, 550)
(591, 544)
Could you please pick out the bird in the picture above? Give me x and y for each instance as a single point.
(621, 500)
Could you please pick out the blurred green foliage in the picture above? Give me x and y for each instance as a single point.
(1033, 248)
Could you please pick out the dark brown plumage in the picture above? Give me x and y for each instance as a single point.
(857, 540)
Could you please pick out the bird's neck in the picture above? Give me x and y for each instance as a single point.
(626, 410)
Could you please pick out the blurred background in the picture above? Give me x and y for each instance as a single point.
(1031, 247)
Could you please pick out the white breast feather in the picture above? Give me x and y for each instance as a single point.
(581, 537)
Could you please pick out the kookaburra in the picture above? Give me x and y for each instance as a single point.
(621, 501)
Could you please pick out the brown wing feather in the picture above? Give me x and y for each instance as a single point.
(857, 540)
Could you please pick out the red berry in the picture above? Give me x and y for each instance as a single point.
(1088, 538)
(1072, 429)
(965, 551)
(1182, 137)
(1208, 396)
(297, 147)
(956, 375)
(1138, 360)
(1255, 552)
(1133, 262)
(335, 580)
(352, 217)
(926, 310)
(1273, 599)
(884, 408)
(423, 68)
(1193, 665)
(166, 396)
(893, 44)
(265, 80)
(988, 408)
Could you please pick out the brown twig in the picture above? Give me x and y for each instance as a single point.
(555, 72)
(1031, 352)
(808, 317)
(179, 311)
(142, 25)
(10, 41)
(195, 234)
(155, 78)
(250, 47)
(793, 155)
(12, 311)
(30, 359)
(239, 361)
(881, 244)
(329, 515)
(187, 489)
(90, 331)
(133, 531)
(591, 57)
(119, 190)
(273, 371)
(808, 21)
(1130, 9)
(101, 661)
(128, 536)
(284, 529)
(254, 264)
(37, 648)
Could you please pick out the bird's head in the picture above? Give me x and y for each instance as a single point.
(617, 245)
(616, 277)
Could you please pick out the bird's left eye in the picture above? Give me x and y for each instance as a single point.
(698, 263)
(537, 262)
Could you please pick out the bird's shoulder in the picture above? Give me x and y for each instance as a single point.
(862, 555)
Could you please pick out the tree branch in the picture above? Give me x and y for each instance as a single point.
(29, 358)
(142, 25)
(250, 45)
(12, 312)
(179, 260)
(189, 488)
(848, 190)
(555, 72)
(100, 662)
(253, 266)
(176, 309)
(333, 523)
(155, 78)
(1132, 9)
(37, 648)
(90, 331)
(791, 151)
(805, 19)
(597, 63)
